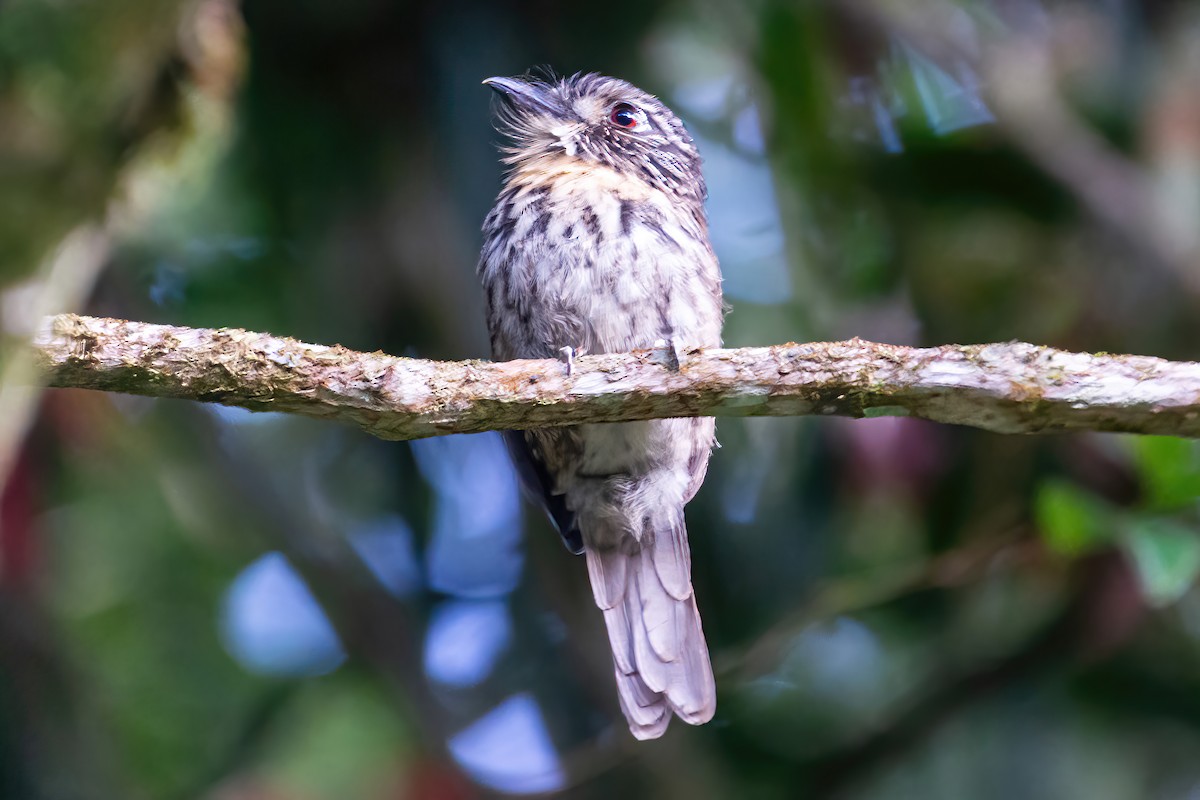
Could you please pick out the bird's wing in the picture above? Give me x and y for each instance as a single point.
(536, 480)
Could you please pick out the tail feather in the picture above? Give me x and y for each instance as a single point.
(647, 715)
(659, 654)
(673, 561)
(606, 570)
(664, 616)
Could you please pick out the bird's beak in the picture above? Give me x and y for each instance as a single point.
(534, 97)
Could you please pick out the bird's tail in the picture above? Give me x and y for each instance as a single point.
(642, 582)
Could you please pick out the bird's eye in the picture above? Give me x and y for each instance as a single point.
(626, 116)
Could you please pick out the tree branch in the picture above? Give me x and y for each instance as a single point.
(1008, 388)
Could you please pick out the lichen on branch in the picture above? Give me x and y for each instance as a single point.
(1007, 388)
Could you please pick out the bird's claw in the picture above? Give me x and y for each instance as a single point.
(668, 351)
(567, 355)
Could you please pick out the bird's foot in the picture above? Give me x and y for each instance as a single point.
(667, 352)
(567, 355)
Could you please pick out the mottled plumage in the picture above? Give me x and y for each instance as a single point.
(599, 241)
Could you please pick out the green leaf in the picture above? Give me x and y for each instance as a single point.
(1166, 554)
(1071, 520)
(1170, 471)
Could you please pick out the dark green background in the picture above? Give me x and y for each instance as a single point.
(895, 609)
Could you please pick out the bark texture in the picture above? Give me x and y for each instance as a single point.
(1007, 388)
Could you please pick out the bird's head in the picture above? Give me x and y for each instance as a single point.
(590, 120)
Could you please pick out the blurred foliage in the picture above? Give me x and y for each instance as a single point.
(202, 603)
(71, 113)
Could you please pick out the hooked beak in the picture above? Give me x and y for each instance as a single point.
(534, 97)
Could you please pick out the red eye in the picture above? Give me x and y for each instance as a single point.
(624, 115)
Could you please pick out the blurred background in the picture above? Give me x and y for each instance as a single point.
(197, 602)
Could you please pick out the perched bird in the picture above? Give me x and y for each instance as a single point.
(598, 242)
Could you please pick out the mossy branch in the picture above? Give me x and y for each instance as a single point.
(1008, 388)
